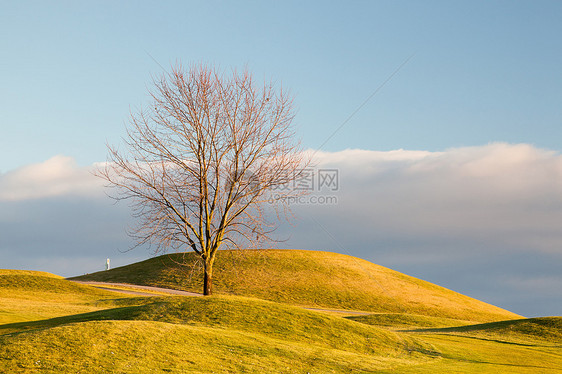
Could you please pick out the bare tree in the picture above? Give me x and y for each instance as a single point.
(201, 161)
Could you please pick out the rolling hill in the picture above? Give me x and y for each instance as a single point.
(31, 295)
(53, 325)
(308, 278)
(124, 334)
(544, 330)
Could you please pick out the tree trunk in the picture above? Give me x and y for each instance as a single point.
(208, 278)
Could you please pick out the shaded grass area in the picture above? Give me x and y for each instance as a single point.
(308, 278)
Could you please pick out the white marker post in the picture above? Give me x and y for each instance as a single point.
(107, 264)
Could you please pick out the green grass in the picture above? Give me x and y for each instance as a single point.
(308, 278)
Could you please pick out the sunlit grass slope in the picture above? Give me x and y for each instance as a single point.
(227, 334)
(309, 278)
(31, 295)
(244, 314)
(51, 325)
(221, 333)
(156, 347)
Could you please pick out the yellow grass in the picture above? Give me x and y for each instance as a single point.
(51, 325)
(312, 279)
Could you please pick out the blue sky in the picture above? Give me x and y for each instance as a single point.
(480, 96)
(481, 71)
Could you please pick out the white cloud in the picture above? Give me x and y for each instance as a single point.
(464, 218)
(57, 176)
(494, 193)
(497, 193)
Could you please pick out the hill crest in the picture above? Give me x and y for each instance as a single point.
(307, 278)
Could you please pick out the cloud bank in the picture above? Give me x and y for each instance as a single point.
(485, 221)
(499, 192)
(58, 176)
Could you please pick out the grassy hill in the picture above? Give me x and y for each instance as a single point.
(201, 335)
(31, 295)
(308, 278)
(156, 347)
(544, 331)
(246, 315)
(78, 328)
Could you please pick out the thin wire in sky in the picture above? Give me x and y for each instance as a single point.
(365, 102)
(328, 233)
(153, 59)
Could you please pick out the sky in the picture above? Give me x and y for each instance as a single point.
(442, 118)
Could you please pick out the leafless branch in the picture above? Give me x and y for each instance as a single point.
(201, 160)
